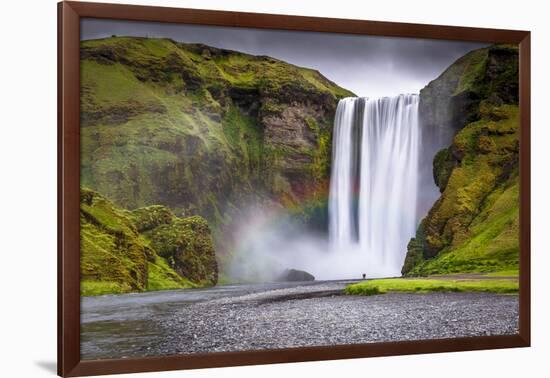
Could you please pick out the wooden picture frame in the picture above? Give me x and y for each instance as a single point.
(69, 15)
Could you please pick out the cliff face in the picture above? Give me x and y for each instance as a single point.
(452, 100)
(191, 127)
(145, 249)
(473, 226)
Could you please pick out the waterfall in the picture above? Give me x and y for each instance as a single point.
(374, 181)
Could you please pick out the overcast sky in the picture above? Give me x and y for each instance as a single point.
(367, 65)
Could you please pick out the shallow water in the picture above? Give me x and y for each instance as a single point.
(280, 315)
(117, 325)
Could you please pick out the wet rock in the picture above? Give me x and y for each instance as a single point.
(294, 275)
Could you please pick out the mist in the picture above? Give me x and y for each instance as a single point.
(270, 241)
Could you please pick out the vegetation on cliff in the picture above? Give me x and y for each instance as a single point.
(198, 126)
(121, 252)
(474, 225)
(201, 131)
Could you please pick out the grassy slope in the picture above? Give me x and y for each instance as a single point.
(421, 285)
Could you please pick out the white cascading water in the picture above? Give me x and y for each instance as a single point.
(374, 181)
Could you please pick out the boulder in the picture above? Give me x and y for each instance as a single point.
(294, 275)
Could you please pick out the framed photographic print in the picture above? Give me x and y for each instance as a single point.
(239, 188)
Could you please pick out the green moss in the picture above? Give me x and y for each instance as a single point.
(492, 244)
(188, 247)
(111, 248)
(182, 125)
(92, 288)
(323, 84)
(473, 226)
(116, 258)
(420, 285)
(472, 71)
(320, 168)
(271, 74)
(147, 218)
(443, 165)
(163, 277)
(483, 72)
(113, 84)
(245, 135)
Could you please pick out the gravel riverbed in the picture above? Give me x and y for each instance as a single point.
(269, 316)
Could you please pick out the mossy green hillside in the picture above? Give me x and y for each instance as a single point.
(474, 225)
(111, 249)
(194, 127)
(117, 256)
(421, 285)
(452, 100)
(491, 240)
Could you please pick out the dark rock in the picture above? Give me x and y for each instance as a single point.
(247, 99)
(294, 275)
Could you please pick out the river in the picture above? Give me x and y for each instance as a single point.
(280, 315)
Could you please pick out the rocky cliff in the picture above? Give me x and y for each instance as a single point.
(194, 127)
(473, 226)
